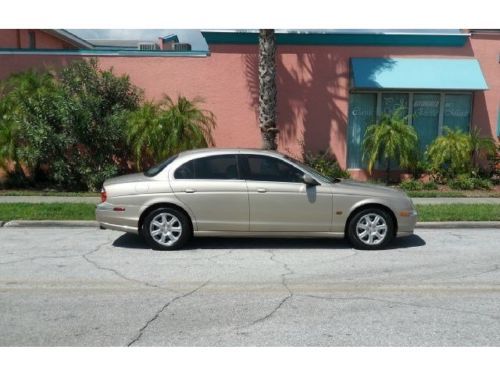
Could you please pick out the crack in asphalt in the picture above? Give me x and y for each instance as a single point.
(285, 285)
(41, 257)
(211, 258)
(495, 268)
(400, 303)
(116, 272)
(158, 313)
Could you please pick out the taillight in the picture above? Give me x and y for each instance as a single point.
(103, 195)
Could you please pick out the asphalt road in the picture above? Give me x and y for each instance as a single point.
(83, 286)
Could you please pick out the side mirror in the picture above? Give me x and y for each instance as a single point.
(308, 180)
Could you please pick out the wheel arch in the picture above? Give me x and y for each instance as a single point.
(157, 205)
(365, 205)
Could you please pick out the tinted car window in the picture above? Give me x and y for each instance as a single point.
(264, 168)
(153, 171)
(185, 171)
(220, 167)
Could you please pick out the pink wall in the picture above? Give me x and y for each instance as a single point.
(486, 49)
(11, 38)
(313, 87)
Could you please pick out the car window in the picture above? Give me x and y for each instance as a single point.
(185, 171)
(265, 168)
(219, 167)
(153, 171)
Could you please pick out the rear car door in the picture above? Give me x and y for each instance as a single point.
(212, 188)
(279, 199)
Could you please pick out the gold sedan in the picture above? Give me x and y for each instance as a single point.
(244, 192)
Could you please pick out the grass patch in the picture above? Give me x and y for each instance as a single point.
(458, 212)
(435, 194)
(85, 211)
(47, 211)
(46, 193)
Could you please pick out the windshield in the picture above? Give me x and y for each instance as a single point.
(153, 171)
(313, 172)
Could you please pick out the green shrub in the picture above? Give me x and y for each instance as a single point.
(157, 131)
(450, 154)
(464, 182)
(461, 182)
(431, 185)
(325, 163)
(482, 183)
(411, 185)
(70, 125)
(390, 139)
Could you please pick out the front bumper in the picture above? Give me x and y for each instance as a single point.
(406, 224)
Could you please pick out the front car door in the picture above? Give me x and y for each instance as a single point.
(212, 188)
(279, 199)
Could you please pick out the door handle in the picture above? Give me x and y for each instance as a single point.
(261, 190)
(189, 190)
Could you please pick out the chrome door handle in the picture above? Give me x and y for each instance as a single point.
(261, 190)
(189, 190)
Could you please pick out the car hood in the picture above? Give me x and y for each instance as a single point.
(350, 187)
(134, 177)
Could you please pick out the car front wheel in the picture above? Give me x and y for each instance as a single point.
(371, 229)
(166, 229)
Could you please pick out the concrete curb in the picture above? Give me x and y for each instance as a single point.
(94, 224)
(51, 223)
(459, 225)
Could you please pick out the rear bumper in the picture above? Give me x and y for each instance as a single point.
(115, 220)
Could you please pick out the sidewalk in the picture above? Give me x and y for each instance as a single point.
(484, 200)
(95, 200)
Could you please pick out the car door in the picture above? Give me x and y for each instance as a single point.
(211, 187)
(279, 199)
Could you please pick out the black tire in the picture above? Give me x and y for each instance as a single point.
(185, 235)
(356, 236)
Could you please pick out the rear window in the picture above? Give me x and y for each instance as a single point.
(219, 167)
(153, 171)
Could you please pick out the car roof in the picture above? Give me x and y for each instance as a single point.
(214, 151)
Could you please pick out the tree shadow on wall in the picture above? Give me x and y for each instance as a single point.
(311, 94)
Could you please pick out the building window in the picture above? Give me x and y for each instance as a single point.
(32, 39)
(429, 113)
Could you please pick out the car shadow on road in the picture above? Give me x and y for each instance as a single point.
(132, 241)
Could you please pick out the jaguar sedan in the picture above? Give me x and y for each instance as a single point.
(250, 193)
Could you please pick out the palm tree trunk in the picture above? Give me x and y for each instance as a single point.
(267, 88)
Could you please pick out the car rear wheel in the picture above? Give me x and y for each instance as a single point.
(371, 229)
(166, 229)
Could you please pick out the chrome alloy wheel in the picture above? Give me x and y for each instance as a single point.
(371, 229)
(165, 229)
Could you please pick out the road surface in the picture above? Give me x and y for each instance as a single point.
(84, 286)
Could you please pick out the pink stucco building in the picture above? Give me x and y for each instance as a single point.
(331, 85)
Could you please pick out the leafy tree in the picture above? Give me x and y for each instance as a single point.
(157, 131)
(391, 138)
(450, 154)
(267, 88)
(68, 127)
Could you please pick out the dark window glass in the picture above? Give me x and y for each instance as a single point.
(153, 171)
(32, 39)
(264, 168)
(220, 167)
(457, 111)
(185, 171)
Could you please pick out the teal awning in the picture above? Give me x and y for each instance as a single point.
(417, 73)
